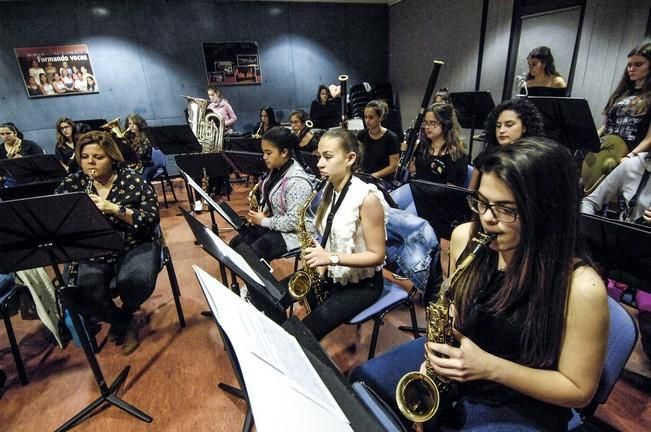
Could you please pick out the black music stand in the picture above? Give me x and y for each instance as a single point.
(246, 162)
(57, 229)
(29, 190)
(194, 164)
(309, 162)
(472, 109)
(622, 249)
(242, 262)
(173, 139)
(248, 144)
(569, 121)
(32, 169)
(94, 124)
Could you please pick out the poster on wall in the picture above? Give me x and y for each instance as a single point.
(62, 70)
(232, 63)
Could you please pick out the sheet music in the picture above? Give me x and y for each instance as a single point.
(236, 258)
(255, 336)
(208, 199)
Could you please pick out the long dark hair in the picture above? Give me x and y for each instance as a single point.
(349, 143)
(540, 271)
(61, 139)
(531, 119)
(318, 93)
(444, 113)
(545, 56)
(270, 114)
(640, 105)
(282, 138)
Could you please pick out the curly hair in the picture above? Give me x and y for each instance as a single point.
(527, 112)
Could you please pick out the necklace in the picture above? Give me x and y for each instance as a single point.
(107, 182)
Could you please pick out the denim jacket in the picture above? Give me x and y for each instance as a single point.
(410, 239)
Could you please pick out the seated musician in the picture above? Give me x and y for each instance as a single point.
(14, 144)
(267, 121)
(130, 204)
(324, 110)
(525, 352)
(135, 127)
(282, 192)
(542, 74)
(307, 141)
(509, 121)
(627, 113)
(440, 157)
(380, 146)
(351, 220)
(64, 149)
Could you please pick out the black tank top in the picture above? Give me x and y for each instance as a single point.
(500, 335)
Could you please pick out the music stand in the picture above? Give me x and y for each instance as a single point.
(29, 190)
(265, 291)
(472, 109)
(443, 206)
(247, 144)
(173, 139)
(622, 249)
(32, 169)
(568, 121)
(309, 162)
(56, 229)
(194, 165)
(94, 124)
(246, 162)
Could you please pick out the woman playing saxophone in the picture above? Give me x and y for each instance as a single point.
(280, 195)
(351, 220)
(531, 314)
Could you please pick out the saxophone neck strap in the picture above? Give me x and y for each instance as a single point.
(333, 210)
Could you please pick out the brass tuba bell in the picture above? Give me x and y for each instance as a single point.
(596, 166)
(114, 128)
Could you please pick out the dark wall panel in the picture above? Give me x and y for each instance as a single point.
(146, 54)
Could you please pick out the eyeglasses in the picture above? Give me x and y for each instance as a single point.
(500, 212)
(431, 124)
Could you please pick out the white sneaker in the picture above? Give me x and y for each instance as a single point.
(198, 206)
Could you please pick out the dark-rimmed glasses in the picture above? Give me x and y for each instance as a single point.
(500, 212)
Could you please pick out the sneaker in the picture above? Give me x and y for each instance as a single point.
(198, 206)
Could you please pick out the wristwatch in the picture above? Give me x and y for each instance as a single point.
(122, 211)
(334, 259)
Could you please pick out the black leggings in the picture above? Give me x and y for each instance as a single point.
(266, 243)
(343, 303)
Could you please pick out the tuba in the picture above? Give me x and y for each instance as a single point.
(308, 278)
(208, 127)
(419, 395)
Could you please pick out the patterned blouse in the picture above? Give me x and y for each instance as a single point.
(142, 146)
(133, 192)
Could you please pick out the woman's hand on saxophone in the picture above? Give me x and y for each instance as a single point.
(105, 206)
(468, 362)
(255, 217)
(316, 256)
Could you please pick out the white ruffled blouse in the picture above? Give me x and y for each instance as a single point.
(347, 236)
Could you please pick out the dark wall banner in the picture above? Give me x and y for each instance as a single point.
(56, 70)
(232, 63)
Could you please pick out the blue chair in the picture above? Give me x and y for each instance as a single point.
(8, 306)
(393, 296)
(404, 199)
(622, 338)
(160, 164)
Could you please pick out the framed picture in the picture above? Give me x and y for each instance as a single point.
(63, 70)
(232, 63)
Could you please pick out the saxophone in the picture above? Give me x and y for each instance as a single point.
(253, 197)
(308, 278)
(418, 395)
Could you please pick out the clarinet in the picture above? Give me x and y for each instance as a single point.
(343, 79)
(402, 173)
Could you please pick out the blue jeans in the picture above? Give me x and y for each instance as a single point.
(410, 242)
(6, 280)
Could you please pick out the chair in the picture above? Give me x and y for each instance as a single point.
(8, 302)
(378, 408)
(622, 337)
(393, 296)
(160, 163)
(404, 199)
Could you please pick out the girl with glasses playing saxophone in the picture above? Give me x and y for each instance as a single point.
(525, 351)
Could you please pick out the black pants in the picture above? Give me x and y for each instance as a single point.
(343, 303)
(132, 277)
(266, 243)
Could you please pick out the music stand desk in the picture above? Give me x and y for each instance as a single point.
(31, 169)
(246, 162)
(56, 229)
(29, 190)
(472, 109)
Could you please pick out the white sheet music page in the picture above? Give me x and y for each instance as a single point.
(234, 256)
(258, 340)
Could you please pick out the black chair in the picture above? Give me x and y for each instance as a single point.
(9, 307)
